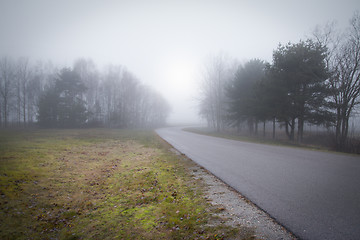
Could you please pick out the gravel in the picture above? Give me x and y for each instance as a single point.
(236, 210)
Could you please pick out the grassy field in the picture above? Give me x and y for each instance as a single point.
(99, 184)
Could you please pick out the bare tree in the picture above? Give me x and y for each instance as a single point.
(89, 75)
(115, 98)
(343, 60)
(159, 109)
(23, 76)
(6, 77)
(110, 90)
(347, 80)
(212, 102)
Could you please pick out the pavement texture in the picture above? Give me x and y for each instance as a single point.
(316, 195)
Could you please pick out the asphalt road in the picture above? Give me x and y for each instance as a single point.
(316, 195)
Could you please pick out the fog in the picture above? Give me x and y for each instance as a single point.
(164, 43)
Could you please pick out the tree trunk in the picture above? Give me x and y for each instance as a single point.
(0, 116)
(18, 105)
(256, 127)
(264, 133)
(273, 135)
(342, 128)
(218, 127)
(346, 131)
(5, 113)
(287, 129)
(24, 113)
(292, 130)
(338, 128)
(300, 129)
(251, 126)
(24, 107)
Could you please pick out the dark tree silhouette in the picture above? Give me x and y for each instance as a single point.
(245, 97)
(299, 70)
(63, 106)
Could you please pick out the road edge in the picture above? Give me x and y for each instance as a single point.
(237, 209)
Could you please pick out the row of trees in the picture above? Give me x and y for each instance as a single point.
(316, 81)
(73, 97)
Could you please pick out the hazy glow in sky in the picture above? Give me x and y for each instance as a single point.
(164, 43)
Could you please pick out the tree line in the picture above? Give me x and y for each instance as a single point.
(315, 81)
(79, 96)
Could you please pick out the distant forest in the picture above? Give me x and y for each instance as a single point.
(80, 96)
(315, 81)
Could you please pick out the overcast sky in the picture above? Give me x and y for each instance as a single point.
(164, 43)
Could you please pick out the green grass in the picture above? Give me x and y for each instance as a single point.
(99, 184)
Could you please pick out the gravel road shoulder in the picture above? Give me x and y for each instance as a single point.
(236, 210)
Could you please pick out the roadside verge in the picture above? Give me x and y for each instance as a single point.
(235, 210)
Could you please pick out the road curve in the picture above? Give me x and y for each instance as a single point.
(316, 195)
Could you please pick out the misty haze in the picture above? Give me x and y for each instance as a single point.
(179, 119)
